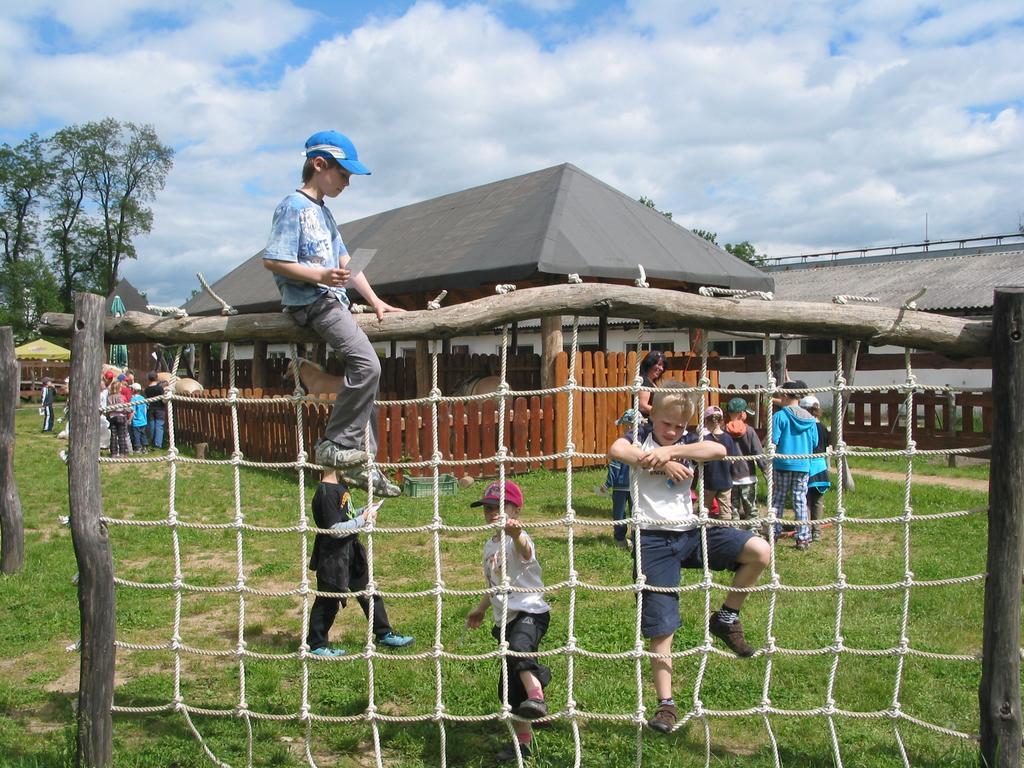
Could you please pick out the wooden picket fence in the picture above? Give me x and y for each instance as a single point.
(534, 426)
(539, 426)
(941, 422)
(267, 431)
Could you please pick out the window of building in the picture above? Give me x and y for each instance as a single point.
(647, 346)
(723, 348)
(460, 349)
(752, 347)
(817, 347)
(522, 349)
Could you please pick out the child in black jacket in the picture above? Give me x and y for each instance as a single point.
(339, 560)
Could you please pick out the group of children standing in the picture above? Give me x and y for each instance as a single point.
(135, 429)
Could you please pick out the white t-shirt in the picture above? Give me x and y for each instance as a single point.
(521, 573)
(666, 507)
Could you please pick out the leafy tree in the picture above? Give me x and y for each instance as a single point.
(23, 173)
(72, 234)
(27, 290)
(95, 181)
(744, 250)
(26, 286)
(711, 237)
(644, 200)
(747, 252)
(125, 166)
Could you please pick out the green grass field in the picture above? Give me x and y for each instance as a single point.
(39, 679)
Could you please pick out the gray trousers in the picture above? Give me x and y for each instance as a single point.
(354, 408)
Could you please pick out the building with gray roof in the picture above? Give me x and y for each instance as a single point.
(957, 281)
(533, 229)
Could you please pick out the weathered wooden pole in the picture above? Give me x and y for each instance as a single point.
(550, 346)
(89, 535)
(851, 351)
(205, 366)
(12, 522)
(999, 693)
(259, 364)
(423, 369)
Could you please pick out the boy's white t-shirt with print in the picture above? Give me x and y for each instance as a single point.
(666, 507)
(521, 573)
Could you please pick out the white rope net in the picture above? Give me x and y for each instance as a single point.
(570, 589)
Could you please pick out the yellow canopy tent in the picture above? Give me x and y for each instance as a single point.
(41, 349)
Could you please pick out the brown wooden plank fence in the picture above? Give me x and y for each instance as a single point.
(536, 426)
(878, 419)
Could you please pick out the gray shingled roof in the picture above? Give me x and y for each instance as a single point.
(557, 221)
(961, 280)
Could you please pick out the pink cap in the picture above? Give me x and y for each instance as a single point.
(712, 410)
(492, 496)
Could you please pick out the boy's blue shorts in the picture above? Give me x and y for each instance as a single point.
(663, 555)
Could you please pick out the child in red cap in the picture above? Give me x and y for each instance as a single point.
(527, 613)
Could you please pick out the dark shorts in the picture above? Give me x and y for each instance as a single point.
(523, 634)
(663, 555)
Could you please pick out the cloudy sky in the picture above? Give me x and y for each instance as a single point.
(799, 125)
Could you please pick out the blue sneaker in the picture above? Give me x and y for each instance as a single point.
(328, 652)
(391, 640)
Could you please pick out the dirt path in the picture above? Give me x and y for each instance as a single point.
(964, 483)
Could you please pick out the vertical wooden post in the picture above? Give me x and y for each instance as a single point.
(851, 352)
(779, 360)
(259, 364)
(12, 522)
(602, 333)
(423, 368)
(205, 366)
(999, 693)
(550, 346)
(89, 536)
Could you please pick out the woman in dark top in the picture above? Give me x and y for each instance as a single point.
(651, 369)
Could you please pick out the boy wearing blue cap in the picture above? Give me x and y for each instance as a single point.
(308, 258)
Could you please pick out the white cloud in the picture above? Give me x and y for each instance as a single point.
(794, 125)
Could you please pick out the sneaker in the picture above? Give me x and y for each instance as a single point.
(664, 719)
(391, 640)
(328, 652)
(816, 533)
(507, 754)
(622, 544)
(330, 454)
(803, 546)
(531, 709)
(731, 635)
(357, 477)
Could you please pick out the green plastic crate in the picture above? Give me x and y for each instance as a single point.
(418, 487)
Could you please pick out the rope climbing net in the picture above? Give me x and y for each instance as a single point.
(570, 588)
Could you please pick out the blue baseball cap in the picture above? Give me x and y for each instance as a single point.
(336, 146)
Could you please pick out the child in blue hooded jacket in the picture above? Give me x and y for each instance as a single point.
(795, 432)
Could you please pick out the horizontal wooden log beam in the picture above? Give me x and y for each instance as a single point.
(878, 325)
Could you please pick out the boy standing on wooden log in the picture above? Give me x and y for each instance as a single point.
(308, 258)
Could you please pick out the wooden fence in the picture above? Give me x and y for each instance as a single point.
(878, 419)
(534, 425)
(267, 431)
(539, 426)
(398, 374)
